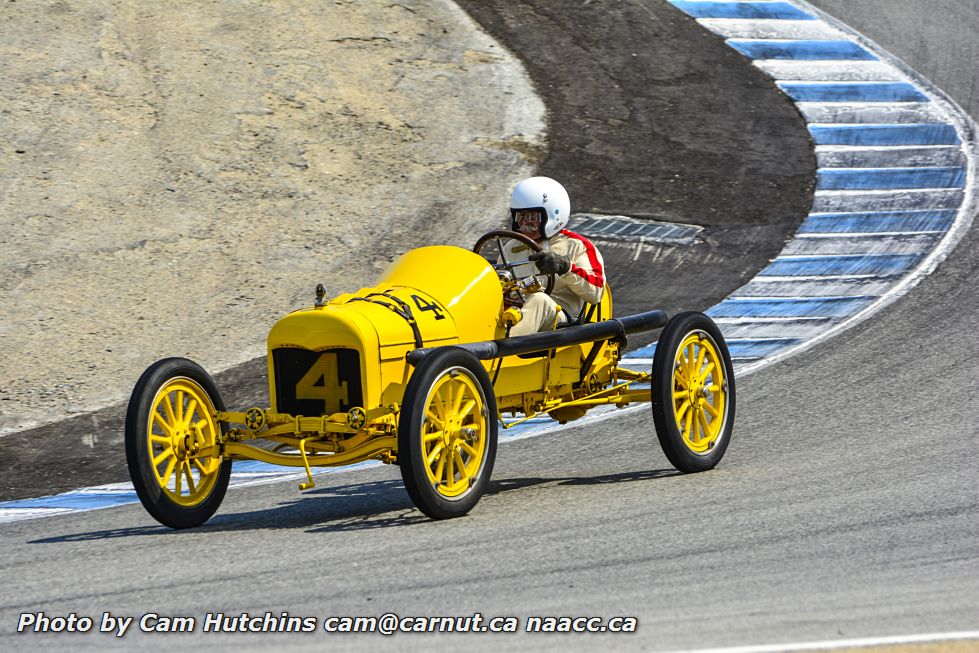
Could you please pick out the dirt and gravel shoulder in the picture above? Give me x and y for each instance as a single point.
(175, 177)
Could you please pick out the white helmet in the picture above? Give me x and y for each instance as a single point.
(547, 195)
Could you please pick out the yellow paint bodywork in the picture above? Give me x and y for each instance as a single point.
(467, 306)
(453, 296)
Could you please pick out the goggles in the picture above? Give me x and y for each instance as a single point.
(527, 216)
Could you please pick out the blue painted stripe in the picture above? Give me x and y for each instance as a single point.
(889, 178)
(259, 467)
(761, 347)
(643, 352)
(801, 50)
(937, 134)
(852, 92)
(807, 266)
(778, 10)
(897, 200)
(76, 500)
(791, 307)
(739, 348)
(533, 424)
(82, 500)
(878, 222)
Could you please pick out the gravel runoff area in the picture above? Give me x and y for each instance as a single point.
(175, 177)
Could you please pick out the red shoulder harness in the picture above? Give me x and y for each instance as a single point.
(596, 278)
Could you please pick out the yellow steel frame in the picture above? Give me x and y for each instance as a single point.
(329, 441)
(618, 394)
(365, 451)
(326, 441)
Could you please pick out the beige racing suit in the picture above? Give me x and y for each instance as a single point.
(583, 284)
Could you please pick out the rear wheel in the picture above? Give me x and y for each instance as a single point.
(693, 392)
(171, 443)
(447, 433)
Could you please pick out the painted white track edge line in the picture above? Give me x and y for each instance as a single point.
(842, 643)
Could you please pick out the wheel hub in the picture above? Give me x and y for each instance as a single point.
(698, 392)
(455, 432)
(181, 443)
(450, 433)
(185, 443)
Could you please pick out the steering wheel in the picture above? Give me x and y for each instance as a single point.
(503, 234)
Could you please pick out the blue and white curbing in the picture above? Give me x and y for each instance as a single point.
(895, 191)
(896, 178)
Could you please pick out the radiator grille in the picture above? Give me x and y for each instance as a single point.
(314, 383)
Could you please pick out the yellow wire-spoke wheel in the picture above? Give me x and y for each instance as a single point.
(172, 441)
(698, 392)
(454, 433)
(181, 426)
(693, 392)
(447, 433)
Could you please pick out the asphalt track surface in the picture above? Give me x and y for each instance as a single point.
(846, 505)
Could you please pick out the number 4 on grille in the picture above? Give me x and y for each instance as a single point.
(322, 382)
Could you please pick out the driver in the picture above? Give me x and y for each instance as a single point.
(540, 208)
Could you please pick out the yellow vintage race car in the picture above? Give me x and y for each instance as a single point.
(418, 371)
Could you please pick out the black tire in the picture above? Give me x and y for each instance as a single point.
(692, 453)
(166, 506)
(436, 499)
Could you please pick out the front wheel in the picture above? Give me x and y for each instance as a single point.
(447, 433)
(693, 392)
(171, 443)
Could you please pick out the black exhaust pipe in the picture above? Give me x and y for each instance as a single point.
(575, 335)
